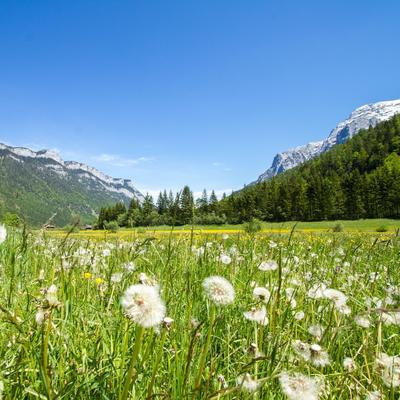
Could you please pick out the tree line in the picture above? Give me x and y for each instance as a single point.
(357, 179)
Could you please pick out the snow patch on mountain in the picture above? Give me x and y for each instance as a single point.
(362, 118)
(63, 168)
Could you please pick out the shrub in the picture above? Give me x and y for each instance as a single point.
(338, 228)
(112, 226)
(253, 226)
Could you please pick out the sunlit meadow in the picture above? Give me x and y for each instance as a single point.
(200, 316)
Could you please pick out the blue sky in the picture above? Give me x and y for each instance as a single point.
(189, 92)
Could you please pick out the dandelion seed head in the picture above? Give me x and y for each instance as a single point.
(247, 383)
(3, 234)
(300, 387)
(258, 315)
(262, 294)
(219, 290)
(143, 305)
(269, 265)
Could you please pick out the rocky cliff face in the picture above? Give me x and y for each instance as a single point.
(361, 118)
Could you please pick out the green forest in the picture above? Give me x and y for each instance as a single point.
(357, 179)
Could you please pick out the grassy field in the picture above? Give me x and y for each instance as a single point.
(367, 226)
(299, 317)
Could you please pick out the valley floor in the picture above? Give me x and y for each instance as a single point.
(363, 225)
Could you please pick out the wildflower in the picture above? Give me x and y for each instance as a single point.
(300, 387)
(257, 315)
(299, 315)
(247, 383)
(316, 330)
(87, 275)
(106, 252)
(225, 236)
(219, 290)
(336, 296)
(376, 395)
(98, 281)
(269, 265)
(222, 381)
(317, 291)
(225, 259)
(146, 280)
(253, 350)
(116, 277)
(262, 294)
(129, 266)
(349, 364)
(391, 318)
(168, 322)
(51, 296)
(362, 321)
(319, 357)
(143, 305)
(39, 317)
(389, 367)
(3, 234)
(302, 349)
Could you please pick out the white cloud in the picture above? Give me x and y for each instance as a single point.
(118, 161)
(222, 166)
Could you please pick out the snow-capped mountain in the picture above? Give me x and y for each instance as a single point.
(361, 118)
(67, 188)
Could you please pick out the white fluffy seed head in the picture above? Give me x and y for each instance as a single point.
(300, 387)
(3, 234)
(219, 290)
(143, 305)
(257, 315)
(269, 265)
(247, 383)
(262, 294)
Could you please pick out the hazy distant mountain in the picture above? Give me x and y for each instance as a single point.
(37, 185)
(361, 118)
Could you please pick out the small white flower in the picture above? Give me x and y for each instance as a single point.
(39, 317)
(106, 252)
(129, 266)
(317, 291)
(143, 305)
(300, 387)
(362, 321)
(262, 294)
(269, 265)
(51, 296)
(336, 296)
(225, 259)
(299, 315)
(219, 290)
(247, 383)
(258, 315)
(225, 236)
(316, 330)
(3, 234)
(349, 364)
(373, 395)
(116, 277)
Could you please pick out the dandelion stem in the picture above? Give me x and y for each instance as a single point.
(129, 380)
(156, 363)
(45, 358)
(203, 357)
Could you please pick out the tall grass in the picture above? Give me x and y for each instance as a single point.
(84, 346)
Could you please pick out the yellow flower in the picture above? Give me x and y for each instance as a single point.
(99, 281)
(87, 275)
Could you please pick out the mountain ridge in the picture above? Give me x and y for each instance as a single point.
(361, 118)
(66, 188)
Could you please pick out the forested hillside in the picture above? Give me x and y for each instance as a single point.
(358, 179)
